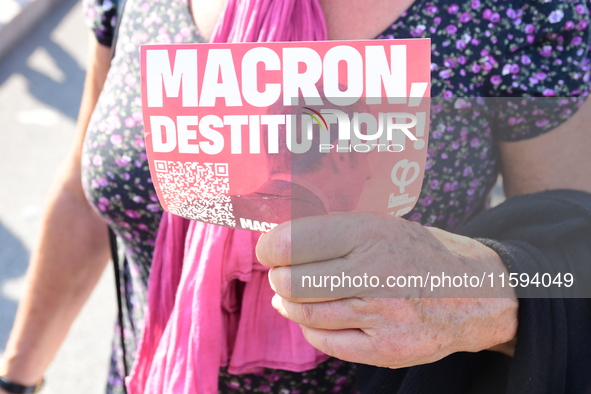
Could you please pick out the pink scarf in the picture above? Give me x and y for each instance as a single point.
(195, 322)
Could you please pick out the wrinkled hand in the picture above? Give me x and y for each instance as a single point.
(389, 327)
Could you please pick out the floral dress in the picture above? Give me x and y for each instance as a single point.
(480, 48)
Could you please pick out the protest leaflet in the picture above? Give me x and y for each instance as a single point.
(254, 134)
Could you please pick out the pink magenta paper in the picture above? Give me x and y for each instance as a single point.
(250, 135)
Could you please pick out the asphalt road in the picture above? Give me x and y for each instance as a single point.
(40, 86)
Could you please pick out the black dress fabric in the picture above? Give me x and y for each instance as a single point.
(542, 232)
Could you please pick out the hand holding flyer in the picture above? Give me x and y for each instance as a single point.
(254, 134)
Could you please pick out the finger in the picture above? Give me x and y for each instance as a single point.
(310, 239)
(328, 315)
(317, 282)
(349, 345)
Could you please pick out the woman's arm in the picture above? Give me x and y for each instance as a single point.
(70, 255)
(559, 159)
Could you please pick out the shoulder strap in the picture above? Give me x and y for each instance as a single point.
(120, 7)
(116, 264)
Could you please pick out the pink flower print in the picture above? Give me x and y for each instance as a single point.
(234, 385)
(428, 200)
(577, 40)
(116, 139)
(556, 16)
(103, 182)
(460, 44)
(546, 51)
(129, 123)
(432, 9)
(530, 29)
(341, 380)
(542, 122)
(451, 29)
(444, 74)
(495, 18)
(549, 93)
(476, 68)
(475, 41)
(103, 204)
(487, 14)
(449, 63)
(123, 161)
(418, 31)
(453, 9)
(462, 59)
(265, 389)
(133, 214)
(580, 8)
(274, 377)
(525, 60)
(474, 142)
(130, 80)
(437, 20)
(97, 160)
(467, 171)
(475, 4)
(153, 207)
(511, 13)
(415, 217)
(185, 31)
(465, 17)
(541, 75)
(569, 25)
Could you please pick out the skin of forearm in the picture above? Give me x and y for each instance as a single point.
(65, 267)
(70, 255)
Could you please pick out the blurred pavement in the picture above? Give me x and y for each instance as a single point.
(40, 86)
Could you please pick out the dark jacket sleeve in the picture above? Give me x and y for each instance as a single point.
(548, 232)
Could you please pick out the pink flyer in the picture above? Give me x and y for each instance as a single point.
(251, 135)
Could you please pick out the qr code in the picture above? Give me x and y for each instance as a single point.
(197, 191)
